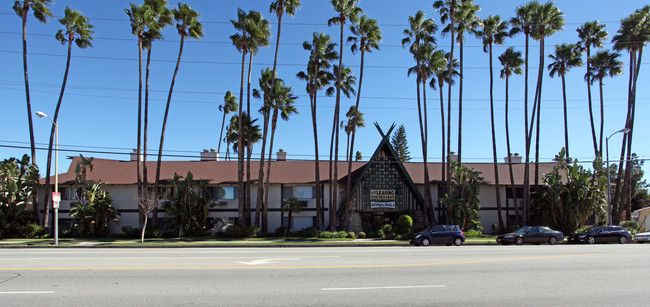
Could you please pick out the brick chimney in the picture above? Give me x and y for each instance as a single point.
(210, 155)
(514, 158)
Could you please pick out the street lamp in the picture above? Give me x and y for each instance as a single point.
(609, 204)
(55, 204)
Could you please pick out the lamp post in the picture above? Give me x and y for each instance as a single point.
(609, 203)
(56, 176)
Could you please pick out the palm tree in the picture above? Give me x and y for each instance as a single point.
(77, 30)
(523, 23)
(566, 57)
(493, 31)
(420, 36)
(347, 10)
(187, 25)
(511, 61)
(278, 7)
(441, 75)
(282, 104)
(604, 64)
(367, 36)
(140, 16)
(258, 29)
(632, 36)
(41, 12)
(548, 19)
(160, 19)
(591, 34)
(355, 119)
(317, 76)
(241, 41)
(463, 19)
(291, 205)
(229, 105)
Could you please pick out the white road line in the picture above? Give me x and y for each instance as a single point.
(27, 292)
(381, 288)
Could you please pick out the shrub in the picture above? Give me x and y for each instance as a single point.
(473, 233)
(310, 232)
(239, 231)
(326, 235)
(403, 225)
(136, 233)
(33, 230)
(380, 234)
(362, 235)
(387, 232)
(341, 234)
(351, 235)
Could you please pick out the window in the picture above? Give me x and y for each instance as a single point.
(300, 192)
(223, 192)
(67, 194)
(518, 191)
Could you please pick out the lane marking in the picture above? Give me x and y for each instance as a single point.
(27, 292)
(383, 288)
(309, 267)
(267, 261)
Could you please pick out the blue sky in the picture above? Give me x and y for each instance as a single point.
(100, 103)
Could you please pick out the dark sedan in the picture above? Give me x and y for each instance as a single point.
(531, 234)
(439, 234)
(601, 234)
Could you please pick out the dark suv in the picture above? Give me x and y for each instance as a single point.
(601, 234)
(439, 234)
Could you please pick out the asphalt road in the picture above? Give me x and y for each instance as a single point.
(561, 275)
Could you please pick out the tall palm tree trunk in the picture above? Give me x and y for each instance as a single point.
(52, 132)
(164, 125)
(146, 133)
(591, 112)
(260, 176)
(265, 204)
(348, 187)
(138, 163)
(240, 148)
(494, 147)
(460, 105)
(442, 147)
(29, 103)
(337, 108)
(540, 77)
(602, 116)
(512, 177)
(526, 209)
(566, 120)
(425, 142)
(425, 206)
(451, 76)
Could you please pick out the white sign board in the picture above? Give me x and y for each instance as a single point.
(56, 198)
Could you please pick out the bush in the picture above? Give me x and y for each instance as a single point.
(33, 230)
(387, 232)
(310, 232)
(351, 235)
(380, 234)
(473, 233)
(362, 235)
(341, 234)
(326, 235)
(239, 231)
(403, 225)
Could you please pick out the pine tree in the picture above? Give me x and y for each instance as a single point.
(398, 140)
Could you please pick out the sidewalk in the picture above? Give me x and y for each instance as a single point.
(207, 242)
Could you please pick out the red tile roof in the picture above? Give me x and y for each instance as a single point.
(288, 172)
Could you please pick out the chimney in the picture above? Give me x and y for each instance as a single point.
(209, 155)
(134, 155)
(453, 156)
(514, 158)
(281, 155)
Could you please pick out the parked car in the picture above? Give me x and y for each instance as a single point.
(531, 234)
(642, 237)
(439, 234)
(601, 234)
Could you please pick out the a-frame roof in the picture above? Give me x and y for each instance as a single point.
(387, 148)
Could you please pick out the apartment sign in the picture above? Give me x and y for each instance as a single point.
(382, 195)
(382, 205)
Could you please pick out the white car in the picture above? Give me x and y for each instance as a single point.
(642, 237)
